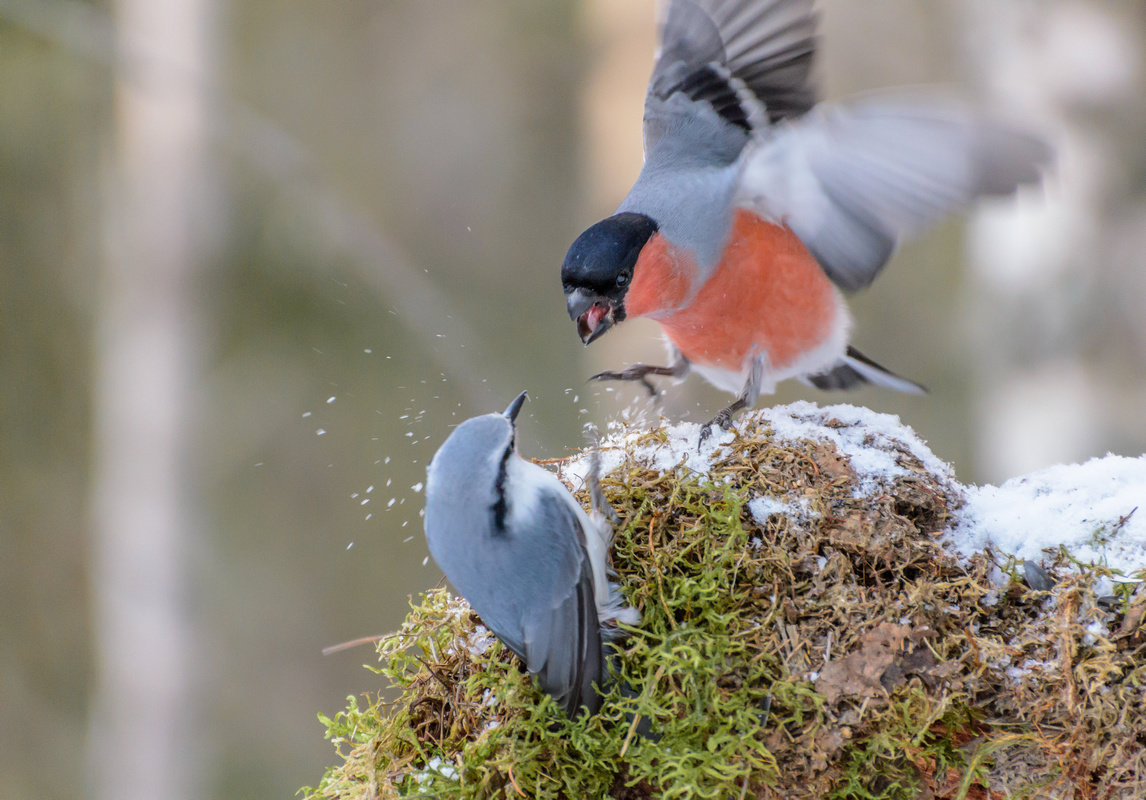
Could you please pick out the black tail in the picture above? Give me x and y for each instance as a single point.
(855, 368)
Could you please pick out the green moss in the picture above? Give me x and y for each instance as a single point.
(841, 655)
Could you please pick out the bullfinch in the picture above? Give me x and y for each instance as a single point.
(756, 206)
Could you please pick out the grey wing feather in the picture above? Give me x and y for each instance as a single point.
(563, 647)
(749, 60)
(768, 46)
(725, 69)
(532, 586)
(561, 632)
(852, 181)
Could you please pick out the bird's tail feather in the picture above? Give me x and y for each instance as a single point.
(855, 368)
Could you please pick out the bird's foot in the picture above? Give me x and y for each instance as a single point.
(723, 420)
(637, 372)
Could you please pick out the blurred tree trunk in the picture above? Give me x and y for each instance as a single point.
(1058, 283)
(144, 739)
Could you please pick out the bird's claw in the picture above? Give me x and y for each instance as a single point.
(631, 374)
(723, 420)
(607, 375)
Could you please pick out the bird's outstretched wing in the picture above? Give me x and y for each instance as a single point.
(853, 180)
(749, 60)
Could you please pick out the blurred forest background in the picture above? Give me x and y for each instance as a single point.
(257, 257)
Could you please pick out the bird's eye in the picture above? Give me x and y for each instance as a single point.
(622, 279)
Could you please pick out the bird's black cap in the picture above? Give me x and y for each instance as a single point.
(601, 260)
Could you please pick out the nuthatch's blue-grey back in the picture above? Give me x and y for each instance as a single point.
(525, 555)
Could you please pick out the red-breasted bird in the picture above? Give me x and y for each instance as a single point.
(756, 206)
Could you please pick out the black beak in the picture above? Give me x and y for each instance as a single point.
(579, 301)
(515, 407)
(594, 314)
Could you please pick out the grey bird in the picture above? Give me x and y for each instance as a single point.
(525, 555)
(756, 207)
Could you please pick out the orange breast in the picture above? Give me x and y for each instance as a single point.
(767, 295)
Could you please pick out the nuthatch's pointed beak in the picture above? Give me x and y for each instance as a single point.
(515, 407)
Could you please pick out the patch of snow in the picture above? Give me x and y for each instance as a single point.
(681, 448)
(1086, 508)
(871, 442)
(763, 507)
(479, 641)
(1016, 674)
(1082, 507)
(1095, 630)
(436, 767)
(868, 438)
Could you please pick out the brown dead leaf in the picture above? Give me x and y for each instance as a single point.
(916, 662)
(887, 655)
(1131, 621)
(849, 533)
(831, 463)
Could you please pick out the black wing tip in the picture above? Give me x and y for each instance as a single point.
(769, 49)
(708, 84)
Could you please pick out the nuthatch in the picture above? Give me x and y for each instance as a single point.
(525, 555)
